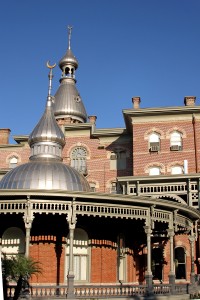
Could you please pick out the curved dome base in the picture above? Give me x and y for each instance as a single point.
(44, 175)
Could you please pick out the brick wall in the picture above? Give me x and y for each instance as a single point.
(142, 158)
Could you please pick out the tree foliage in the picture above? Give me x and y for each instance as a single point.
(20, 266)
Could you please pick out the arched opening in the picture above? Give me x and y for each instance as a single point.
(180, 265)
(157, 263)
(13, 241)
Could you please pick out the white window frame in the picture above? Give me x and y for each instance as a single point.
(13, 161)
(176, 141)
(176, 170)
(80, 256)
(154, 142)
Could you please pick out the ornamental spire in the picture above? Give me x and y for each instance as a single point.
(47, 139)
(69, 36)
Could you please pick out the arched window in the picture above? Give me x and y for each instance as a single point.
(157, 263)
(80, 255)
(180, 265)
(154, 142)
(154, 171)
(78, 159)
(13, 162)
(177, 170)
(176, 141)
(13, 241)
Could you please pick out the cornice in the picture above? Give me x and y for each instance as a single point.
(21, 139)
(159, 178)
(162, 110)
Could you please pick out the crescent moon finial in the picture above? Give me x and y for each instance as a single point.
(49, 66)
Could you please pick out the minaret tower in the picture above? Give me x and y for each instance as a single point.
(45, 169)
(68, 105)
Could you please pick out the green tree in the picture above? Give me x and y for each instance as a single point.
(20, 269)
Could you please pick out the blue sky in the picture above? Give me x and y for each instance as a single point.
(125, 48)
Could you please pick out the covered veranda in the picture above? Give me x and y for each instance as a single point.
(144, 222)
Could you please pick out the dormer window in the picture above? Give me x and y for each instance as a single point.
(13, 162)
(154, 142)
(176, 141)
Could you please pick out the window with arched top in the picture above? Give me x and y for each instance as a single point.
(176, 170)
(154, 171)
(13, 161)
(180, 263)
(154, 142)
(13, 241)
(175, 141)
(79, 159)
(80, 255)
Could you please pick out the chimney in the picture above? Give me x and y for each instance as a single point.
(136, 102)
(189, 100)
(92, 119)
(4, 136)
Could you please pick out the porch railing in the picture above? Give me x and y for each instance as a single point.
(100, 291)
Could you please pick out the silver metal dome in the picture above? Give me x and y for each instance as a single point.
(45, 169)
(68, 102)
(47, 129)
(68, 58)
(39, 175)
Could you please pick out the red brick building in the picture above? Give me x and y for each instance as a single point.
(114, 206)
